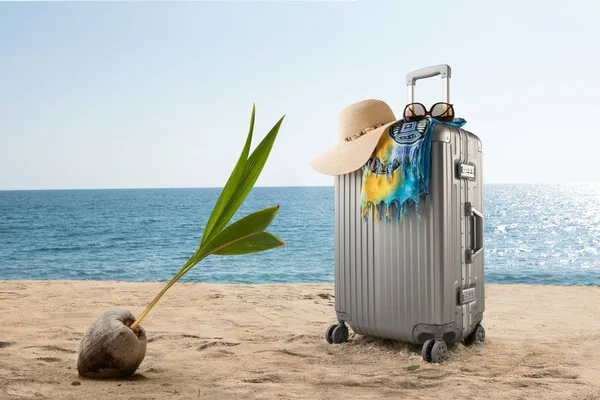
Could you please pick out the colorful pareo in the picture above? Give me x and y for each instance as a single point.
(397, 174)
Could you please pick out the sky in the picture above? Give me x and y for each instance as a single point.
(134, 95)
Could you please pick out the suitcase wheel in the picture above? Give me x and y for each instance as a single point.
(336, 334)
(434, 350)
(477, 336)
(426, 350)
(329, 332)
(439, 351)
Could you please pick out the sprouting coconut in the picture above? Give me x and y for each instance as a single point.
(110, 348)
(115, 345)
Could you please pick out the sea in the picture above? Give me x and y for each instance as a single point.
(534, 234)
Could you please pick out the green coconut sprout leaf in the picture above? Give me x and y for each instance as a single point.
(242, 228)
(245, 236)
(230, 186)
(252, 169)
(261, 241)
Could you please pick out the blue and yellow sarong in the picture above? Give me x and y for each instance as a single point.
(397, 174)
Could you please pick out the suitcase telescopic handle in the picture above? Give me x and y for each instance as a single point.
(443, 69)
(476, 233)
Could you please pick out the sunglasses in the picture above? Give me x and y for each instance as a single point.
(440, 111)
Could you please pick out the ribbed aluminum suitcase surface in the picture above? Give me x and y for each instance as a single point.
(414, 280)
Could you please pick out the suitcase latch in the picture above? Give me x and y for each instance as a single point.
(466, 171)
(467, 295)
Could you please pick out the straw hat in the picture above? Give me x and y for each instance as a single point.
(359, 128)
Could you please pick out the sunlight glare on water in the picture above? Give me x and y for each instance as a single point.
(542, 233)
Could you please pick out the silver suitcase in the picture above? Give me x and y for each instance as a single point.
(420, 280)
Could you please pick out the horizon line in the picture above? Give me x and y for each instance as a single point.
(268, 187)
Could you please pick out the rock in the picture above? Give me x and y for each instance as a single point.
(75, 383)
(109, 348)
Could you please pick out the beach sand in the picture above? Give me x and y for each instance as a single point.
(266, 341)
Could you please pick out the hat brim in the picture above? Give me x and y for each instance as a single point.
(345, 157)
